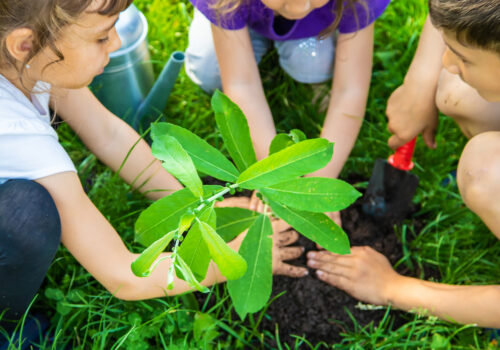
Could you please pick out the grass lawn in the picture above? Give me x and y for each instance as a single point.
(453, 241)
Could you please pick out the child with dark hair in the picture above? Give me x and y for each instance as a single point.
(456, 70)
(316, 40)
(50, 50)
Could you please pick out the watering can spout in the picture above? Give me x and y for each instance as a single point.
(156, 100)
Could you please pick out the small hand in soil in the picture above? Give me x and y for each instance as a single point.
(365, 274)
(282, 238)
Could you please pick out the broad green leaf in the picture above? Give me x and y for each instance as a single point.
(206, 158)
(233, 127)
(251, 292)
(233, 221)
(230, 263)
(316, 194)
(209, 216)
(195, 253)
(164, 214)
(297, 135)
(316, 226)
(141, 267)
(299, 159)
(279, 142)
(177, 162)
(187, 275)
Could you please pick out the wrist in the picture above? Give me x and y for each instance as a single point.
(422, 80)
(393, 289)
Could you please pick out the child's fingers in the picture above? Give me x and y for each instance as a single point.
(290, 270)
(429, 137)
(339, 281)
(323, 257)
(395, 141)
(290, 253)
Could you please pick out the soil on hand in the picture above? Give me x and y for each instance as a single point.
(313, 309)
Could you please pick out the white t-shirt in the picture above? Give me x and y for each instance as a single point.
(29, 146)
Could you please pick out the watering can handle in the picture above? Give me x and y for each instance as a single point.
(401, 159)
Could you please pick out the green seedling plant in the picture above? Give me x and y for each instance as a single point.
(197, 231)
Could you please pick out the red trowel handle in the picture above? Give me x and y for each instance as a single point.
(401, 159)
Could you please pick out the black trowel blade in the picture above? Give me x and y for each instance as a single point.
(390, 192)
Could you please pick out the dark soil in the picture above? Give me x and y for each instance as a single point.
(319, 312)
(316, 310)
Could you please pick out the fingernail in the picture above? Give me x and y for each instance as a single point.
(311, 255)
(306, 273)
(311, 263)
(320, 273)
(303, 249)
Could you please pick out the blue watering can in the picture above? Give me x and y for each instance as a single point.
(127, 86)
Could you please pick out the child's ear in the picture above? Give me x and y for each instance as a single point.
(19, 43)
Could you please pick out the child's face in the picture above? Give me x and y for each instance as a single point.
(478, 68)
(86, 46)
(294, 9)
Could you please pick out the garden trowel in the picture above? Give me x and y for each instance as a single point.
(392, 185)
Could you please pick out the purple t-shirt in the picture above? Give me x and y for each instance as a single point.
(255, 15)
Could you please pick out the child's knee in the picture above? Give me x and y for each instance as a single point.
(478, 174)
(201, 60)
(309, 60)
(447, 95)
(29, 221)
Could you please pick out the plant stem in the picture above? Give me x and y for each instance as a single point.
(215, 196)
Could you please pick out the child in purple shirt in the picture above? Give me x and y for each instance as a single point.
(228, 38)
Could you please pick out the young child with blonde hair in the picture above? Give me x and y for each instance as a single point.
(50, 50)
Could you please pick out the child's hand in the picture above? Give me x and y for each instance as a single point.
(412, 110)
(365, 274)
(239, 202)
(282, 237)
(256, 204)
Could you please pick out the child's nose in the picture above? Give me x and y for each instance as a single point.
(114, 42)
(450, 62)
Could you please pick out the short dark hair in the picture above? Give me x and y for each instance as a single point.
(476, 23)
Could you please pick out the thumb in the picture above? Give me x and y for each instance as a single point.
(395, 142)
(429, 137)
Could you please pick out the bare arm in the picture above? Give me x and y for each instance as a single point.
(411, 109)
(352, 75)
(367, 275)
(110, 139)
(241, 82)
(97, 246)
